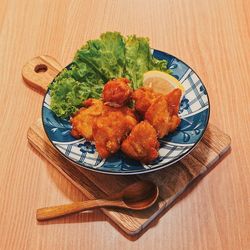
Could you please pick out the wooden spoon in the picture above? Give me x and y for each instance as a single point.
(138, 196)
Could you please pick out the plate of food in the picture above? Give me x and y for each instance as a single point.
(124, 108)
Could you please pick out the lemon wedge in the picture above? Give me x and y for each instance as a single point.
(161, 82)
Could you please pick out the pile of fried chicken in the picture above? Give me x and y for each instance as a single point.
(112, 125)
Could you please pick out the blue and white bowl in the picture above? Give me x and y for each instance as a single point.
(194, 113)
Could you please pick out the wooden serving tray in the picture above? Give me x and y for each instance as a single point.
(172, 181)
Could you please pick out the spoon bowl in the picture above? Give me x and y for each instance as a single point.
(140, 195)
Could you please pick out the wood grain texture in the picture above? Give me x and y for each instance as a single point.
(172, 181)
(213, 37)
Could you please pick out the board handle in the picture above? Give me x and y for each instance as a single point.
(40, 71)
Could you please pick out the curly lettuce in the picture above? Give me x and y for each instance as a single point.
(139, 60)
(98, 61)
(72, 86)
(105, 55)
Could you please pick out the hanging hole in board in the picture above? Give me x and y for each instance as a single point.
(41, 68)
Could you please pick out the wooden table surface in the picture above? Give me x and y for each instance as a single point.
(213, 37)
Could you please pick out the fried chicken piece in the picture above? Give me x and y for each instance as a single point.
(163, 113)
(111, 128)
(173, 99)
(117, 92)
(82, 122)
(144, 97)
(142, 143)
(158, 116)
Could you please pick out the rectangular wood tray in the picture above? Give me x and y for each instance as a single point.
(172, 181)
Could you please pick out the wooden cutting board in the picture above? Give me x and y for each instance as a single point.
(172, 181)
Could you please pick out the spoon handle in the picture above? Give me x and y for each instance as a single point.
(61, 210)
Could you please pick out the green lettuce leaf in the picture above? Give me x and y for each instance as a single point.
(66, 95)
(72, 86)
(140, 60)
(161, 65)
(137, 59)
(105, 55)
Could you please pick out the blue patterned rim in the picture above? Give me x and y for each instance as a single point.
(194, 112)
